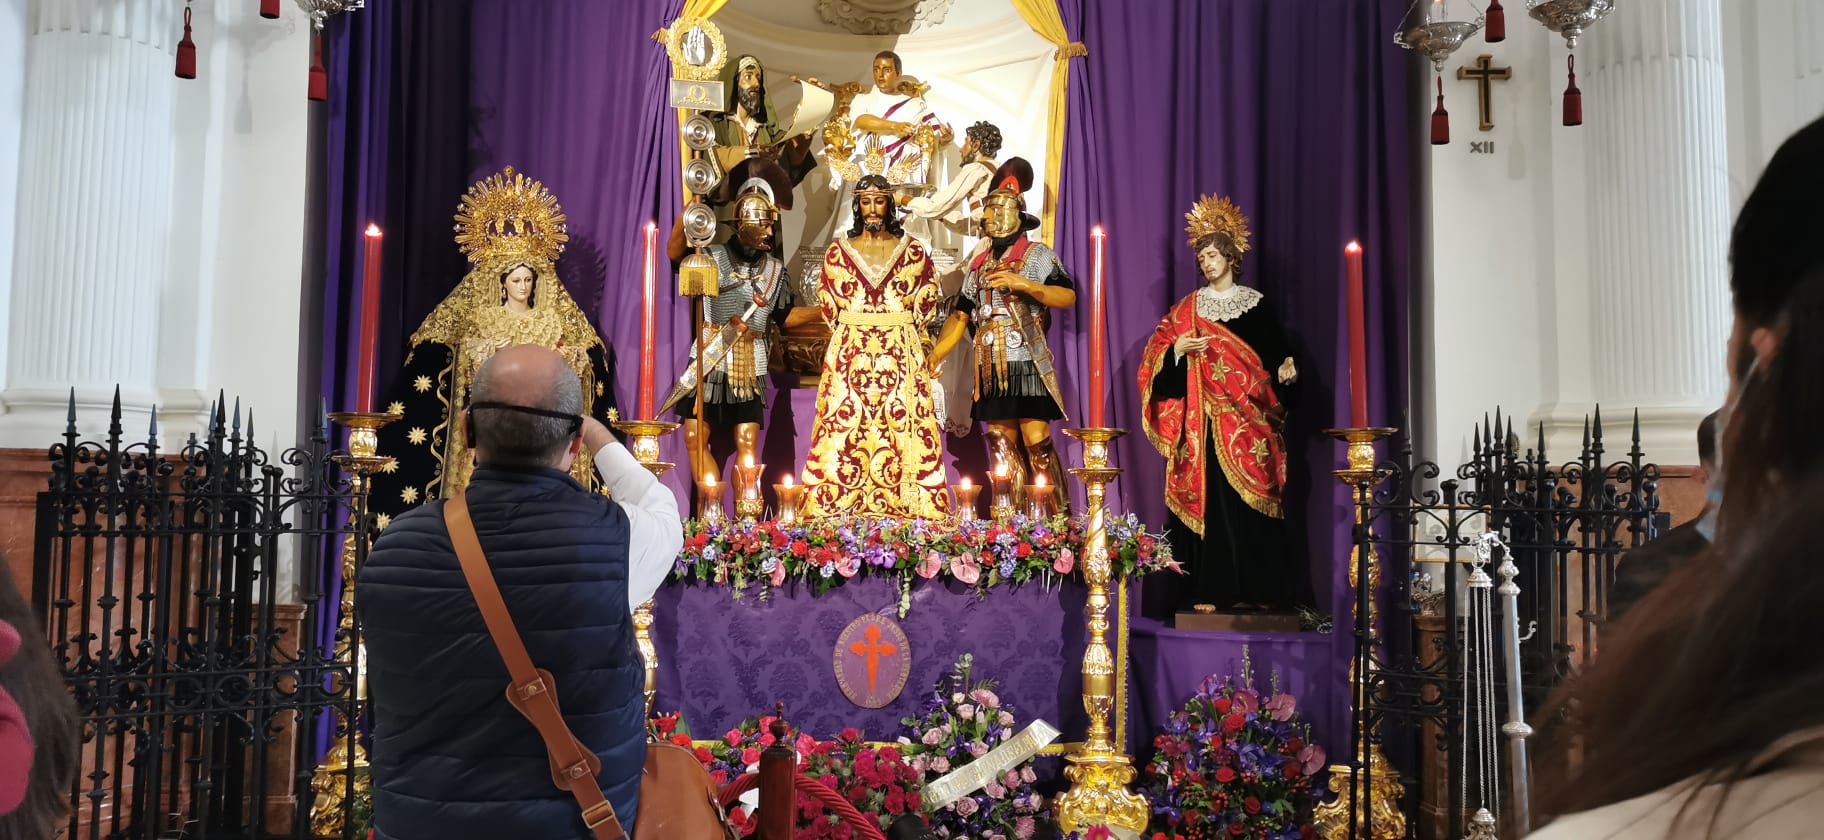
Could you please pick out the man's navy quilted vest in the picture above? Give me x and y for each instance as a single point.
(451, 759)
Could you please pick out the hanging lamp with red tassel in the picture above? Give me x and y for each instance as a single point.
(1573, 98)
(186, 50)
(1494, 30)
(1440, 119)
(319, 78)
(269, 9)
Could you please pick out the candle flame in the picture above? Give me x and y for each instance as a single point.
(709, 480)
(1039, 480)
(373, 230)
(1000, 470)
(966, 484)
(1353, 247)
(1097, 231)
(652, 226)
(747, 462)
(788, 479)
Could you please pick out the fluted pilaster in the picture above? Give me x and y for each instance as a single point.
(93, 213)
(1658, 170)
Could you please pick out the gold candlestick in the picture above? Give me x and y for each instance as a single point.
(789, 495)
(748, 502)
(1000, 495)
(1379, 817)
(643, 441)
(330, 780)
(966, 493)
(1100, 773)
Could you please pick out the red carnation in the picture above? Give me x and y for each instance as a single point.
(1023, 551)
(667, 724)
(704, 755)
(1237, 829)
(1291, 769)
(889, 754)
(1225, 775)
(896, 802)
(850, 734)
(1233, 723)
(914, 800)
(1251, 805)
(681, 740)
(800, 548)
(1295, 744)
(1223, 706)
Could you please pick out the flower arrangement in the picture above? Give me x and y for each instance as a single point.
(962, 722)
(978, 553)
(875, 779)
(1232, 764)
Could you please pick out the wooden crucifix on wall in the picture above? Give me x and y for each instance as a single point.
(1485, 74)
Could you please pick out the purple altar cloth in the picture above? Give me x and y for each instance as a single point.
(1167, 665)
(722, 661)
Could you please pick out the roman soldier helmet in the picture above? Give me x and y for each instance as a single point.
(1008, 195)
(763, 190)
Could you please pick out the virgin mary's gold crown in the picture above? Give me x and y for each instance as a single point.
(507, 215)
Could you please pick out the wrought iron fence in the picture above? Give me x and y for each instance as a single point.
(1565, 524)
(185, 593)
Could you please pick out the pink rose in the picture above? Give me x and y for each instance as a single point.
(848, 565)
(1282, 706)
(1006, 719)
(1012, 779)
(985, 697)
(1066, 561)
(932, 736)
(964, 568)
(1027, 776)
(932, 564)
(994, 790)
(940, 764)
(966, 806)
(978, 749)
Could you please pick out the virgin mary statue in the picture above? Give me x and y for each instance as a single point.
(512, 231)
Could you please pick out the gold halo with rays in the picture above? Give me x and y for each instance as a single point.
(1217, 214)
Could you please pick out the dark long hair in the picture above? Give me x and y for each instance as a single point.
(1723, 658)
(531, 299)
(50, 716)
(890, 221)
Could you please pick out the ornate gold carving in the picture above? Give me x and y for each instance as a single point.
(1213, 214)
(642, 637)
(696, 48)
(1098, 795)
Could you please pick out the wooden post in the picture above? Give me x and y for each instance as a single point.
(778, 769)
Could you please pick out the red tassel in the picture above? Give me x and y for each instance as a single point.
(1573, 98)
(319, 79)
(269, 9)
(186, 51)
(1495, 30)
(1440, 119)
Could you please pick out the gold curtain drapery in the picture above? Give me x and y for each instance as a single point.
(1048, 21)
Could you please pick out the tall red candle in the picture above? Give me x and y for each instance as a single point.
(370, 322)
(649, 321)
(1358, 337)
(1098, 328)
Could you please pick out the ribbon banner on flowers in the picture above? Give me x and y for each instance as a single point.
(972, 776)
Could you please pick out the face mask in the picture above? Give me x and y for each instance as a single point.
(1713, 491)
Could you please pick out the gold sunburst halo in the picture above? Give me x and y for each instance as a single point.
(1217, 214)
(506, 215)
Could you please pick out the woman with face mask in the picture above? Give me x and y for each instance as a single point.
(1701, 717)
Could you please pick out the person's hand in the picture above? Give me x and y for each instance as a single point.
(1288, 373)
(1011, 282)
(1188, 344)
(595, 435)
(929, 368)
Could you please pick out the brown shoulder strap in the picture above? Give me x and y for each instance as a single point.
(532, 690)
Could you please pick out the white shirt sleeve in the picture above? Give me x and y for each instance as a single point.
(951, 204)
(654, 534)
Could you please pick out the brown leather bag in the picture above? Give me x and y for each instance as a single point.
(677, 798)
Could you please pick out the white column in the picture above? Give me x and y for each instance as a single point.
(93, 214)
(1658, 171)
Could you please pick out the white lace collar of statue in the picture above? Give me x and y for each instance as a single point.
(1228, 304)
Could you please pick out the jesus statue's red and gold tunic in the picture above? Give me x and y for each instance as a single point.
(876, 446)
